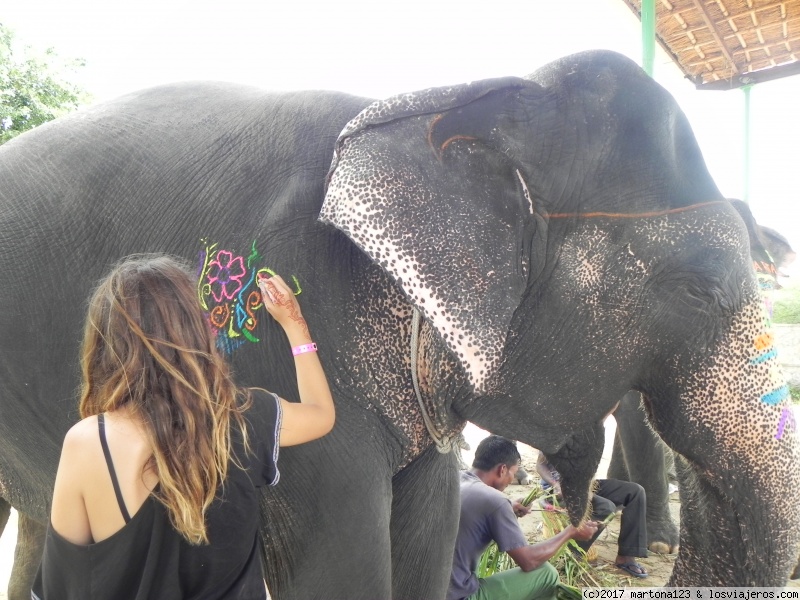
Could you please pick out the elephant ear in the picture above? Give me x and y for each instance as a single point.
(421, 184)
(763, 263)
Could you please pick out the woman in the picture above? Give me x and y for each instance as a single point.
(155, 495)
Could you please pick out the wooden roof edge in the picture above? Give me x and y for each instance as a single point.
(739, 81)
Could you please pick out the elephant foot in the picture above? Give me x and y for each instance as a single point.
(663, 548)
(522, 477)
(663, 537)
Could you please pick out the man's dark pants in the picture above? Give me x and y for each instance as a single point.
(611, 493)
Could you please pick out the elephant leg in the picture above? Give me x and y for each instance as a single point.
(669, 465)
(616, 467)
(645, 463)
(424, 526)
(325, 526)
(27, 556)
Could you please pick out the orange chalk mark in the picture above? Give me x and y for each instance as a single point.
(254, 301)
(644, 215)
(433, 122)
(219, 315)
(763, 267)
(453, 139)
(439, 151)
(764, 341)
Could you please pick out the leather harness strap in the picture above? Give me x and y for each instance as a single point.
(444, 443)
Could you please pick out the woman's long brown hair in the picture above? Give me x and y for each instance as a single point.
(148, 347)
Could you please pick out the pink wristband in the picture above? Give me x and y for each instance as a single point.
(312, 347)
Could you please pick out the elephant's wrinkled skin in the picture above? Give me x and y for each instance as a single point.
(558, 235)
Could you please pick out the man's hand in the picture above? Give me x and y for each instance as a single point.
(585, 532)
(520, 509)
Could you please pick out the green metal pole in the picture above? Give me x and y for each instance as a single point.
(648, 35)
(746, 160)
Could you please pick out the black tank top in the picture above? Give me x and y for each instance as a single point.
(148, 560)
(101, 426)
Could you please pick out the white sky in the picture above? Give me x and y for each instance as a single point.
(380, 47)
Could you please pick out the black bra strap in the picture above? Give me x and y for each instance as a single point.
(101, 425)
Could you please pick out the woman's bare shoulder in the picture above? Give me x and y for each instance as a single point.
(82, 438)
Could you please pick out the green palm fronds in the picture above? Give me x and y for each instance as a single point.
(570, 560)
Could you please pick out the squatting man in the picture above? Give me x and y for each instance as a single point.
(488, 515)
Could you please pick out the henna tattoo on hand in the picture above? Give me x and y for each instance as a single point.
(290, 304)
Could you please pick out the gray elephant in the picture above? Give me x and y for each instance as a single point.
(484, 252)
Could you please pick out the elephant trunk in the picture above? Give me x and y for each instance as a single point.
(739, 462)
(577, 462)
(745, 540)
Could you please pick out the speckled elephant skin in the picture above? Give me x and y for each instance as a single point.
(557, 234)
(639, 455)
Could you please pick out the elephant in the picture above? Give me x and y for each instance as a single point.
(482, 252)
(638, 453)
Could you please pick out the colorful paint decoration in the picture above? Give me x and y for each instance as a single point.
(766, 351)
(228, 293)
(775, 397)
(786, 423)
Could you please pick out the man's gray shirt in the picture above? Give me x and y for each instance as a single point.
(486, 515)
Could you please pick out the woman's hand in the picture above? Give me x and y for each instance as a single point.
(280, 302)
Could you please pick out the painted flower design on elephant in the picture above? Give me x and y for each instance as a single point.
(225, 275)
(228, 293)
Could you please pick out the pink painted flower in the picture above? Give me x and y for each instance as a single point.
(224, 275)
